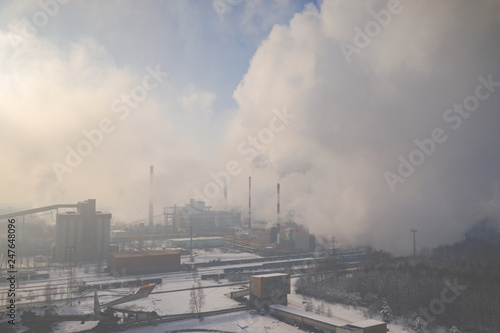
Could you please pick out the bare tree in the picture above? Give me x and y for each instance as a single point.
(195, 274)
(48, 292)
(197, 298)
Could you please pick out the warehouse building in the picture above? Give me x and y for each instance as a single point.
(198, 242)
(365, 326)
(143, 262)
(82, 235)
(311, 321)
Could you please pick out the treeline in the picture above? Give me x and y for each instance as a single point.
(457, 285)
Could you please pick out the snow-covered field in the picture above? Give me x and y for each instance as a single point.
(244, 321)
(167, 300)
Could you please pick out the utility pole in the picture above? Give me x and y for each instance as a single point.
(414, 243)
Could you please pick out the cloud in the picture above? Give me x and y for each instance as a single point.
(350, 121)
(54, 95)
(354, 120)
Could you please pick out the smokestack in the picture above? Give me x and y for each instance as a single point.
(151, 198)
(278, 211)
(249, 207)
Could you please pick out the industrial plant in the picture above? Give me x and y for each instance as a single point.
(192, 247)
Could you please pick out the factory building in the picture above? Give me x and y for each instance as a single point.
(143, 262)
(269, 289)
(225, 220)
(300, 239)
(199, 216)
(263, 237)
(195, 214)
(82, 235)
(198, 242)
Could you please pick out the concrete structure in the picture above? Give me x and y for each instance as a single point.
(365, 326)
(263, 237)
(199, 242)
(143, 262)
(269, 289)
(82, 235)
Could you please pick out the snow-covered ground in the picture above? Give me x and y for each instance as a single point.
(167, 300)
(244, 321)
(349, 313)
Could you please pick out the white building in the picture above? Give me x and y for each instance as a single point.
(198, 242)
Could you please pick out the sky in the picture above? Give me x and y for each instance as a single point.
(376, 117)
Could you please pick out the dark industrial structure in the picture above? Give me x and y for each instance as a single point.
(143, 262)
(196, 214)
(82, 235)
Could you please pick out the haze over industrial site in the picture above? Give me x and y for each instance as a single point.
(260, 128)
(228, 76)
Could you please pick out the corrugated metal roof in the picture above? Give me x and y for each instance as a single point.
(270, 275)
(196, 238)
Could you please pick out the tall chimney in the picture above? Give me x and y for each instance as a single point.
(151, 198)
(249, 207)
(278, 211)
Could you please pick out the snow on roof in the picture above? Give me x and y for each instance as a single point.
(367, 323)
(196, 238)
(327, 320)
(270, 275)
(142, 253)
